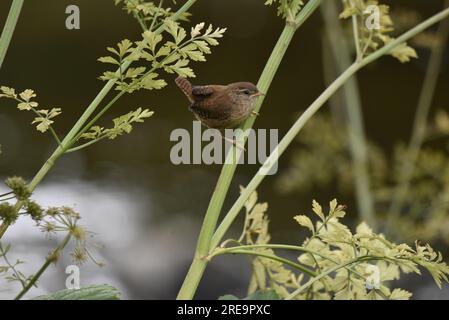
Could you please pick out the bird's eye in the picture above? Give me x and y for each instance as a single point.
(246, 91)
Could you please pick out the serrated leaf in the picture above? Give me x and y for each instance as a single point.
(27, 106)
(125, 47)
(318, 210)
(8, 92)
(108, 59)
(27, 95)
(399, 294)
(305, 222)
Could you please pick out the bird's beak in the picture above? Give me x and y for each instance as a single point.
(258, 94)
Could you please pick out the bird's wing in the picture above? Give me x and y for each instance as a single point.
(214, 107)
(206, 113)
(202, 92)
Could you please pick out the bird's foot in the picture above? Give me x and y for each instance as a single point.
(255, 113)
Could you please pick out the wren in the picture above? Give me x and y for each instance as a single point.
(218, 106)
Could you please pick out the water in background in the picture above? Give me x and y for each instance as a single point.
(145, 211)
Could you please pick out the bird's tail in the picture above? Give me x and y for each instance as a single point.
(185, 86)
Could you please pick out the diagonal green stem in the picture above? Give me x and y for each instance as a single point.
(199, 262)
(275, 258)
(313, 253)
(419, 124)
(9, 27)
(219, 251)
(51, 258)
(69, 138)
(308, 114)
(284, 143)
(87, 144)
(353, 106)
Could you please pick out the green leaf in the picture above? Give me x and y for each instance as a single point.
(125, 47)
(196, 31)
(92, 292)
(258, 295)
(171, 27)
(8, 92)
(43, 123)
(152, 39)
(108, 59)
(263, 295)
(151, 82)
(27, 95)
(180, 67)
(132, 73)
(399, 294)
(203, 46)
(317, 209)
(305, 222)
(27, 105)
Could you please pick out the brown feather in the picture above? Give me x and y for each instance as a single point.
(186, 87)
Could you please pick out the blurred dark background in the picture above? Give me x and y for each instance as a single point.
(144, 210)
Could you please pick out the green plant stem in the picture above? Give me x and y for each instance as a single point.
(307, 115)
(313, 253)
(276, 258)
(353, 106)
(216, 203)
(138, 17)
(199, 262)
(51, 258)
(156, 15)
(9, 27)
(69, 138)
(9, 198)
(87, 144)
(277, 152)
(220, 250)
(12, 267)
(355, 31)
(6, 194)
(98, 116)
(420, 122)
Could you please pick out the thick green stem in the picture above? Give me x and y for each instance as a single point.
(51, 258)
(70, 137)
(420, 121)
(353, 106)
(277, 152)
(307, 115)
(216, 203)
(199, 263)
(9, 27)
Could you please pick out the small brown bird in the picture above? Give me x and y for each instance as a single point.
(221, 107)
